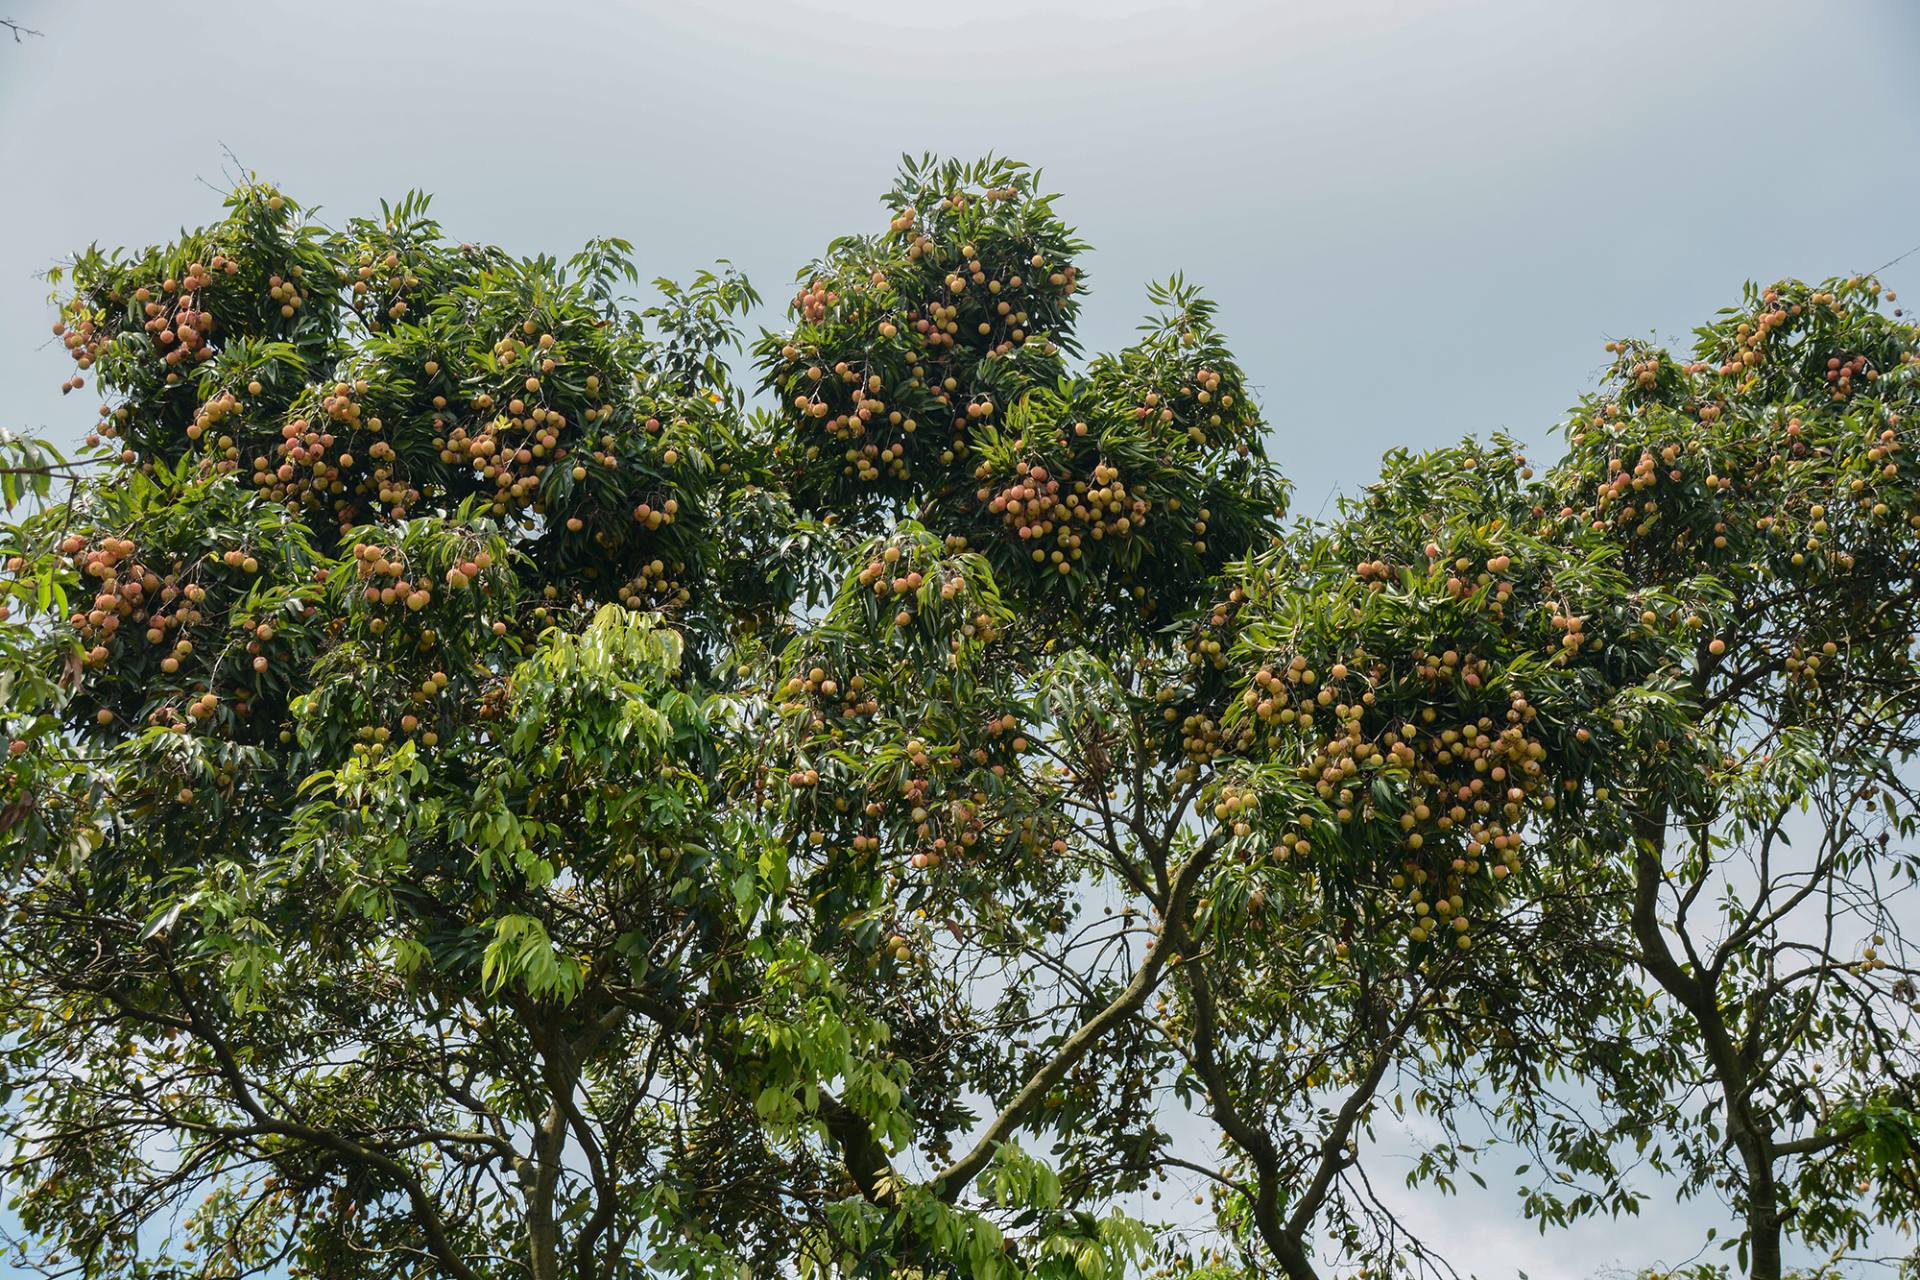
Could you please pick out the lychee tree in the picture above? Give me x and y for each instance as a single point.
(1702, 618)
(363, 745)
(1701, 625)
(1412, 744)
(1764, 481)
(482, 802)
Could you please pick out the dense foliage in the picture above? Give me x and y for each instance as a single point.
(482, 801)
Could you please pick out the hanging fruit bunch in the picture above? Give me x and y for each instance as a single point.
(908, 343)
(1122, 494)
(1407, 702)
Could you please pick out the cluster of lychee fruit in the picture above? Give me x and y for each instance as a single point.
(1054, 515)
(892, 339)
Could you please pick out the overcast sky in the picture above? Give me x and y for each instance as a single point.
(1421, 218)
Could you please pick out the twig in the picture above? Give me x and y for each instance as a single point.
(1902, 258)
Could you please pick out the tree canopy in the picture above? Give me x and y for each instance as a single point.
(493, 791)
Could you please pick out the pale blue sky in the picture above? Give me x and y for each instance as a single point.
(1421, 217)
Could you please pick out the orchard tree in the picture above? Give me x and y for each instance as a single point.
(1765, 481)
(481, 802)
(1413, 713)
(1704, 618)
(354, 768)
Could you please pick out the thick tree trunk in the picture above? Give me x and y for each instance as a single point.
(1292, 1257)
(1763, 1208)
(543, 1233)
(543, 1250)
